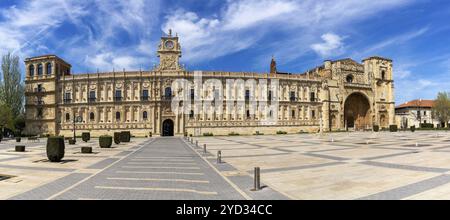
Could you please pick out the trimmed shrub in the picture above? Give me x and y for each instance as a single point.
(86, 136)
(86, 150)
(151, 134)
(233, 134)
(376, 128)
(125, 136)
(281, 132)
(393, 128)
(413, 128)
(427, 126)
(258, 133)
(105, 141)
(55, 148)
(117, 137)
(20, 148)
(72, 142)
(208, 134)
(18, 139)
(1, 136)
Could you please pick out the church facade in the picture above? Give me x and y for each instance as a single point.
(170, 100)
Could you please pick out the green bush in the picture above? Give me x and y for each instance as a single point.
(233, 134)
(117, 137)
(393, 128)
(125, 136)
(413, 128)
(72, 142)
(55, 148)
(18, 139)
(427, 126)
(281, 132)
(86, 136)
(105, 141)
(376, 128)
(208, 134)
(258, 133)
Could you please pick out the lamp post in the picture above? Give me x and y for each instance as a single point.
(75, 120)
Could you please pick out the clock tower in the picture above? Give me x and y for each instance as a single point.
(169, 53)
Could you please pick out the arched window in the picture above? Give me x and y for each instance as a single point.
(117, 116)
(145, 116)
(349, 79)
(40, 70)
(67, 117)
(92, 116)
(31, 68)
(271, 113)
(49, 69)
(191, 115)
(383, 75)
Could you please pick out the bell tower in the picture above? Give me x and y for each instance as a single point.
(169, 53)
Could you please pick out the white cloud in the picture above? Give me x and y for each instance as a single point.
(32, 28)
(243, 14)
(332, 45)
(242, 24)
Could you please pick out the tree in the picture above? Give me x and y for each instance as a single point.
(441, 108)
(6, 117)
(11, 86)
(19, 124)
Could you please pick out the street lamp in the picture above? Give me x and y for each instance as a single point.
(420, 113)
(78, 119)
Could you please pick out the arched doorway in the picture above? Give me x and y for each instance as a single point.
(357, 112)
(167, 128)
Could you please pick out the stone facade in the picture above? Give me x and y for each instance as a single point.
(337, 95)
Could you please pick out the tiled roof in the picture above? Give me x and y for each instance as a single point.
(417, 103)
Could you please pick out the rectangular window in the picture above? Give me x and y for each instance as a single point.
(313, 97)
(67, 97)
(39, 88)
(418, 113)
(145, 95)
(192, 94)
(292, 97)
(118, 96)
(247, 95)
(293, 114)
(269, 97)
(425, 113)
(313, 114)
(92, 97)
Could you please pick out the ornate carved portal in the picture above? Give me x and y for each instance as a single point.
(357, 112)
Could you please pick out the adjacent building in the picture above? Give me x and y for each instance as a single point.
(337, 95)
(415, 113)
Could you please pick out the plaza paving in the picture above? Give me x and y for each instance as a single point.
(161, 168)
(383, 165)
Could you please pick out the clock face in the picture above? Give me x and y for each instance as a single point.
(169, 44)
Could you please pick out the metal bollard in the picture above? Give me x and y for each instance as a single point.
(204, 149)
(219, 157)
(257, 180)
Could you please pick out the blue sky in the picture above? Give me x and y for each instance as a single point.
(239, 35)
